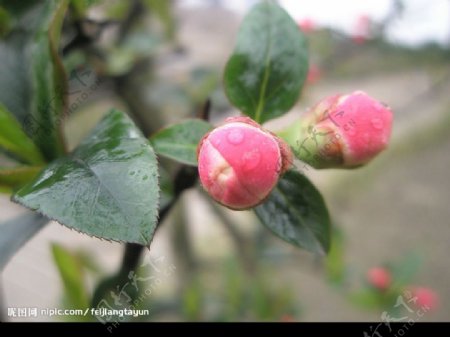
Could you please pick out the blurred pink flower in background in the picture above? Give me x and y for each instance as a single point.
(426, 297)
(307, 25)
(362, 29)
(379, 278)
(314, 74)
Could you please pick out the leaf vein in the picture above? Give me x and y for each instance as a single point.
(83, 163)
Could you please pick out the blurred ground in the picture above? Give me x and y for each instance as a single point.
(399, 203)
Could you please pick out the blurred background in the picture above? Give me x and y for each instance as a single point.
(161, 60)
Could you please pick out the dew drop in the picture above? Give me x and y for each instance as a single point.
(251, 160)
(132, 173)
(377, 123)
(235, 136)
(145, 177)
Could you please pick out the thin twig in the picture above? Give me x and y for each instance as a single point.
(136, 11)
(184, 179)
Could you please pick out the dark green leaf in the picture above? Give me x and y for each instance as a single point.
(16, 232)
(32, 83)
(268, 67)
(166, 187)
(15, 9)
(296, 212)
(71, 273)
(108, 187)
(5, 22)
(14, 177)
(179, 141)
(14, 140)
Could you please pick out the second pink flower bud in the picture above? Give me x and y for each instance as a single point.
(239, 163)
(380, 278)
(341, 131)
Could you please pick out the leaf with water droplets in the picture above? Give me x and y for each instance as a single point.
(108, 187)
(265, 74)
(296, 212)
(179, 141)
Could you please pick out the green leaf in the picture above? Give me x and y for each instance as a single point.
(32, 80)
(192, 300)
(334, 262)
(179, 141)
(366, 298)
(296, 212)
(71, 273)
(14, 140)
(163, 10)
(166, 194)
(265, 73)
(5, 22)
(89, 263)
(5, 189)
(108, 187)
(16, 232)
(14, 177)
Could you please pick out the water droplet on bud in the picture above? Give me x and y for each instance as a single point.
(235, 136)
(251, 160)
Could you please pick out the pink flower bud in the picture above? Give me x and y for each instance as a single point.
(307, 25)
(286, 318)
(424, 298)
(239, 162)
(314, 74)
(344, 131)
(362, 29)
(379, 278)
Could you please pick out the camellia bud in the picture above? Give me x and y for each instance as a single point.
(307, 25)
(424, 297)
(341, 131)
(379, 278)
(239, 162)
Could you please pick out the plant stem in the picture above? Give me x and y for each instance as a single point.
(135, 12)
(130, 259)
(133, 251)
(184, 179)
